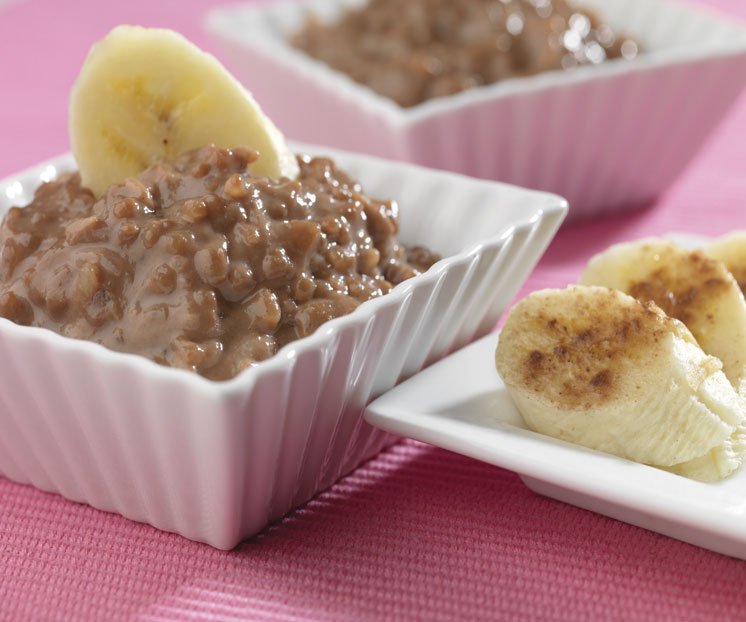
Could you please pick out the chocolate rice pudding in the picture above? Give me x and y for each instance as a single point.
(415, 50)
(198, 265)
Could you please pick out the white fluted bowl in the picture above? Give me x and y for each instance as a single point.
(217, 461)
(607, 138)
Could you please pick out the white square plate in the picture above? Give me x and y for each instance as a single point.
(461, 404)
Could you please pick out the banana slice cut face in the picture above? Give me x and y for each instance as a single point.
(689, 286)
(719, 462)
(147, 94)
(731, 250)
(596, 367)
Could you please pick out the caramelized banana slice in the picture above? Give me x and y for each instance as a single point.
(687, 285)
(731, 250)
(716, 463)
(594, 366)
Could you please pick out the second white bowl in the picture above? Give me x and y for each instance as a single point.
(607, 137)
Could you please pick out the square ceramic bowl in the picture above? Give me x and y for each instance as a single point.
(217, 461)
(607, 138)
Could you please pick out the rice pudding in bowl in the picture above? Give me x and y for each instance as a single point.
(417, 50)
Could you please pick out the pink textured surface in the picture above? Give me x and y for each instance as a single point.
(417, 533)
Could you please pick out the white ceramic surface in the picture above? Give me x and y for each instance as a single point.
(461, 404)
(216, 462)
(606, 138)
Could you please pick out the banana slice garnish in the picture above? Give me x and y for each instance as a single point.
(596, 367)
(719, 462)
(698, 289)
(731, 250)
(689, 286)
(147, 94)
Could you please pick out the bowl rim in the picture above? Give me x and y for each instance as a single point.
(221, 23)
(544, 205)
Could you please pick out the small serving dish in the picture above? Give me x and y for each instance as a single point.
(607, 137)
(217, 461)
(462, 404)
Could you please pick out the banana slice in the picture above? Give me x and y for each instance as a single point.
(147, 94)
(718, 463)
(596, 367)
(731, 250)
(688, 286)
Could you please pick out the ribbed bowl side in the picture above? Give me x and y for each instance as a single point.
(298, 422)
(665, 24)
(605, 145)
(110, 436)
(647, 156)
(306, 428)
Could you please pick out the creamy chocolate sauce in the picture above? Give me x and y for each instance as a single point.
(198, 265)
(415, 50)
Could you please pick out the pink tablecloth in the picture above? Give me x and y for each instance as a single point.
(417, 533)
